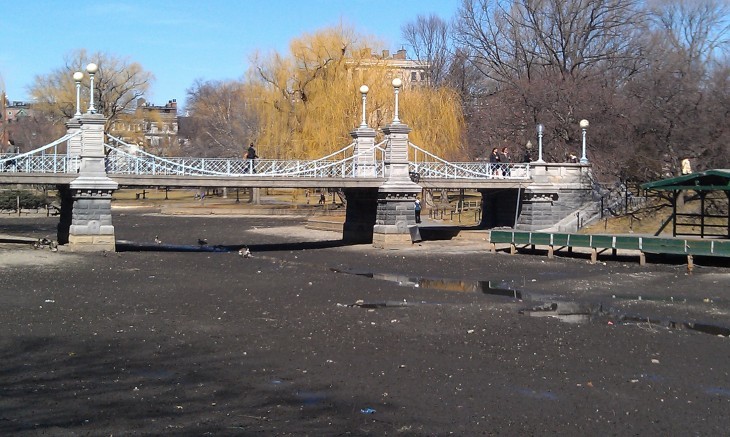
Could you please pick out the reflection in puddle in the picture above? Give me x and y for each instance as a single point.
(567, 312)
(708, 329)
(154, 373)
(719, 391)
(485, 287)
(311, 398)
(567, 318)
(537, 394)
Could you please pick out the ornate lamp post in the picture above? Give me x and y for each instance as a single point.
(92, 69)
(528, 146)
(364, 91)
(540, 129)
(77, 78)
(397, 83)
(584, 127)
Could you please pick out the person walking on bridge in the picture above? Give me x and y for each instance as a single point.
(251, 157)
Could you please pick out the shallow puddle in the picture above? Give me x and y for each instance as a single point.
(564, 311)
(494, 288)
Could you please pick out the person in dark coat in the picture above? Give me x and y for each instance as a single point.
(251, 157)
(494, 160)
(504, 159)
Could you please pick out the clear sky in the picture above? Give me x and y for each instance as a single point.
(183, 40)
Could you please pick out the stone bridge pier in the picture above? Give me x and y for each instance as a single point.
(556, 192)
(362, 203)
(396, 214)
(384, 216)
(86, 220)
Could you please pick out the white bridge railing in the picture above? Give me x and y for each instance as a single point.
(340, 164)
(432, 166)
(120, 161)
(40, 160)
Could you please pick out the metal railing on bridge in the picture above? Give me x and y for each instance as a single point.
(140, 162)
(344, 163)
(432, 166)
(40, 160)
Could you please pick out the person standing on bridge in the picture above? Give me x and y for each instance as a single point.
(527, 157)
(494, 160)
(251, 157)
(504, 159)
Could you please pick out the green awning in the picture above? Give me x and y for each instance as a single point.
(708, 180)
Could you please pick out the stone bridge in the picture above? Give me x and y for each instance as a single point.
(380, 193)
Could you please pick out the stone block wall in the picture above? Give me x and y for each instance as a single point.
(396, 215)
(396, 208)
(91, 221)
(542, 210)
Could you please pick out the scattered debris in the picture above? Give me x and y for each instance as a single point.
(157, 240)
(245, 252)
(45, 242)
(367, 411)
(385, 304)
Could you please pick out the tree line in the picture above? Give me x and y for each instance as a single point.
(651, 76)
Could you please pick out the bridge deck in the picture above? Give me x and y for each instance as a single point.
(253, 181)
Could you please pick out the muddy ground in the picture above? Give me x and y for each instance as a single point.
(313, 337)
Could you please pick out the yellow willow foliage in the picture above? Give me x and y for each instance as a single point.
(436, 120)
(309, 102)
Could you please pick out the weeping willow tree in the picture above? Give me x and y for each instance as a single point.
(308, 100)
(435, 116)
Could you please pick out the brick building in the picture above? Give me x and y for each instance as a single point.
(413, 73)
(11, 113)
(154, 127)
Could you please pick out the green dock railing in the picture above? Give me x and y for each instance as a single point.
(655, 245)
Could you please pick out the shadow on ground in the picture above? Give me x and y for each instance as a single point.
(108, 385)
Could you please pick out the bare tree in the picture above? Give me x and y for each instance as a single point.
(221, 119)
(117, 84)
(698, 30)
(30, 132)
(428, 37)
(524, 38)
(551, 62)
(680, 96)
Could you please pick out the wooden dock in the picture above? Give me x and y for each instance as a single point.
(600, 243)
